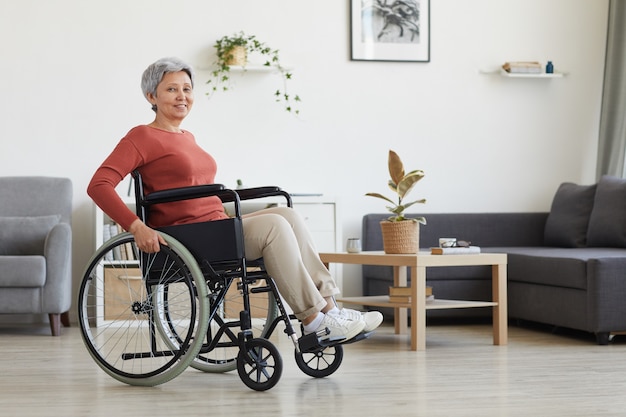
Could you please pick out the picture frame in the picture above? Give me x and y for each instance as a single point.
(390, 30)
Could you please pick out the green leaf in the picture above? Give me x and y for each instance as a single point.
(396, 168)
(407, 205)
(380, 196)
(406, 184)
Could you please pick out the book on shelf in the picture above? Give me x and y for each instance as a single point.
(455, 251)
(117, 252)
(106, 235)
(404, 299)
(523, 67)
(123, 256)
(403, 294)
(399, 299)
(130, 253)
(120, 252)
(406, 291)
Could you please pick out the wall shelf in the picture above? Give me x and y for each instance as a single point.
(256, 68)
(248, 68)
(505, 74)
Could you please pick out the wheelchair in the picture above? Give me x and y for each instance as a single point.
(197, 302)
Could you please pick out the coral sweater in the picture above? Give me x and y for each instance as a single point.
(165, 160)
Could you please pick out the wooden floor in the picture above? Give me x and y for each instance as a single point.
(460, 374)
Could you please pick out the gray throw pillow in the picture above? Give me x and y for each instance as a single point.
(568, 220)
(607, 224)
(25, 235)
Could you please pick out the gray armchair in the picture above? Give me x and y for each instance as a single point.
(35, 247)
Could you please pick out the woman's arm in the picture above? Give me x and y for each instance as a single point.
(101, 189)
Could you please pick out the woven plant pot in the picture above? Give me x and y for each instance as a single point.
(400, 237)
(237, 56)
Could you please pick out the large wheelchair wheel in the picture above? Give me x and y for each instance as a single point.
(131, 304)
(223, 356)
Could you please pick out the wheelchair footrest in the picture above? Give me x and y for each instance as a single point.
(358, 338)
(315, 341)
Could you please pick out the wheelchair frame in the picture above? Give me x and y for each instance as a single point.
(178, 316)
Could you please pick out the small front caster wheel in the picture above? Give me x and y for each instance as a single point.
(259, 365)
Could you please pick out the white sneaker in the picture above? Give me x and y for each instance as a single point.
(340, 327)
(372, 319)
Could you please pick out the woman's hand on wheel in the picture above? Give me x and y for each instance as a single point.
(147, 240)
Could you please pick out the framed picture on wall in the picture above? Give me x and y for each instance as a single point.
(390, 30)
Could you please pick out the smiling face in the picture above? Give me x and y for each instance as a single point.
(173, 98)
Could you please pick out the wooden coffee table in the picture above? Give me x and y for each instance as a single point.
(419, 263)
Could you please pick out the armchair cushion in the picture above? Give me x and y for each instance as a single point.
(22, 271)
(25, 235)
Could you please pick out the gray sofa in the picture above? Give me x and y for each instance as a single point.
(566, 268)
(35, 247)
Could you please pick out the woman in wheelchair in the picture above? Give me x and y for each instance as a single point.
(167, 157)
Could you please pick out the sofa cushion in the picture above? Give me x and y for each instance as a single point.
(22, 271)
(25, 235)
(554, 267)
(568, 220)
(607, 224)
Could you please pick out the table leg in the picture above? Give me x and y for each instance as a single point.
(500, 325)
(418, 309)
(400, 316)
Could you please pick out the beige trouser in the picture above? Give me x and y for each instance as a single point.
(280, 236)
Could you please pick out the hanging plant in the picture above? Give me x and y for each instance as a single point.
(228, 51)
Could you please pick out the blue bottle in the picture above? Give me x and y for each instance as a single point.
(549, 68)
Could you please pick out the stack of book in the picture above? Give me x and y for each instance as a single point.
(403, 294)
(455, 251)
(527, 67)
(121, 252)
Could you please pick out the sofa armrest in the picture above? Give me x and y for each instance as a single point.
(57, 291)
(606, 308)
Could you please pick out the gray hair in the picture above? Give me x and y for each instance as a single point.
(153, 75)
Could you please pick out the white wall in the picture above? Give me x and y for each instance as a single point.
(70, 91)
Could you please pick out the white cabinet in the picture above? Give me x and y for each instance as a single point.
(320, 219)
(319, 213)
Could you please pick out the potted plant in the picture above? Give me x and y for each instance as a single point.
(400, 235)
(234, 50)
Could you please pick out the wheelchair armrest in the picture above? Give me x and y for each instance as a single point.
(199, 191)
(261, 192)
(186, 193)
